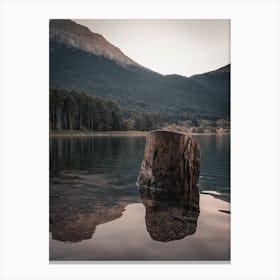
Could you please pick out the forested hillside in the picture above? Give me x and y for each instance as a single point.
(124, 94)
(79, 111)
(137, 90)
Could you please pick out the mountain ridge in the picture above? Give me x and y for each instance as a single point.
(135, 88)
(78, 36)
(224, 69)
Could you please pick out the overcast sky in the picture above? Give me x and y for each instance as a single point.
(184, 47)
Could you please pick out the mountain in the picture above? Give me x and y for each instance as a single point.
(82, 60)
(78, 36)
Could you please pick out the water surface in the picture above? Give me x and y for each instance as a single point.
(98, 213)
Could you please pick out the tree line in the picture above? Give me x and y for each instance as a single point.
(148, 121)
(71, 110)
(78, 111)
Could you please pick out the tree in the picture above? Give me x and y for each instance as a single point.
(196, 122)
(71, 110)
(56, 106)
(139, 122)
(81, 102)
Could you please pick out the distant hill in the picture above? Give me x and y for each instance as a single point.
(84, 61)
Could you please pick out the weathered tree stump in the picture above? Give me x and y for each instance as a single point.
(171, 162)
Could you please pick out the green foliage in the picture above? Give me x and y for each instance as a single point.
(138, 90)
(79, 111)
(73, 110)
(196, 122)
(148, 121)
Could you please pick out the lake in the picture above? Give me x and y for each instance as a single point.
(97, 213)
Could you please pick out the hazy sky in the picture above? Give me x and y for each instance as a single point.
(184, 47)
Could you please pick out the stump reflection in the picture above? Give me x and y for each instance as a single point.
(170, 215)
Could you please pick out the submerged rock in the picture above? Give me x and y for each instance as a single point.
(171, 161)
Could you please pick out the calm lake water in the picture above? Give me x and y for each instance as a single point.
(98, 213)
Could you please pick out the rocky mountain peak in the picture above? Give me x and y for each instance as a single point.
(78, 36)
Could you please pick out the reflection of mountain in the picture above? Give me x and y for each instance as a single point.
(78, 204)
(170, 215)
(91, 181)
(82, 226)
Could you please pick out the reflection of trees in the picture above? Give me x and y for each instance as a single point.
(77, 209)
(81, 153)
(170, 215)
(88, 153)
(81, 226)
(92, 180)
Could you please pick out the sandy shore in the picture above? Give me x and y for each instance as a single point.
(131, 133)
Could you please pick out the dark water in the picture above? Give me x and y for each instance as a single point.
(215, 165)
(98, 213)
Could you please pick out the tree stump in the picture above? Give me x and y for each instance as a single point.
(171, 162)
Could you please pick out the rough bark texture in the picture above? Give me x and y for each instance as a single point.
(168, 185)
(171, 162)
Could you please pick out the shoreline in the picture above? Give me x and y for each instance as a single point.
(131, 133)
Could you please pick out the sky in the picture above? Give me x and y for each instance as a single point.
(185, 47)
